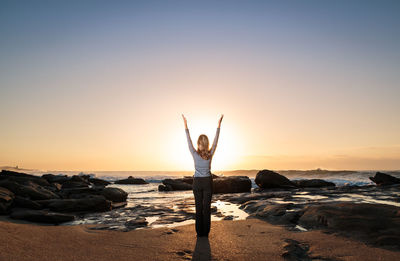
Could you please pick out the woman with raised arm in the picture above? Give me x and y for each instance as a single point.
(202, 178)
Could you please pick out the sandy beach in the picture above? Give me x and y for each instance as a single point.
(250, 239)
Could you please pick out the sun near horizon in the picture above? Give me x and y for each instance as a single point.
(103, 87)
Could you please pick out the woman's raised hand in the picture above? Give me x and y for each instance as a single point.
(185, 121)
(220, 120)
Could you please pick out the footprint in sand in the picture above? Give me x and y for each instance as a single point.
(185, 254)
(171, 231)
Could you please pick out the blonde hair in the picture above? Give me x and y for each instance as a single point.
(202, 147)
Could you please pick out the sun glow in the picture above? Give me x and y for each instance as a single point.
(228, 149)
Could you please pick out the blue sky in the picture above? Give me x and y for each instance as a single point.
(296, 79)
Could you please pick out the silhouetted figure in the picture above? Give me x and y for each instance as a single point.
(202, 178)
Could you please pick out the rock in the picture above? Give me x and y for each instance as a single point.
(372, 223)
(74, 184)
(162, 187)
(56, 186)
(188, 179)
(22, 202)
(313, 183)
(131, 180)
(382, 179)
(99, 182)
(231, 184)
(30, 189)
(76, 181)
(93, 203)
(51, 178)
(41, 216)
(278, 214)
(114, 194)
(79, 192)
(135, 223)
(177, 184)
(270, 179)
(6, 200)
(80, 178)
(22, 178)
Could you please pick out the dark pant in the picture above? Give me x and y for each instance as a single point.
(202, 190)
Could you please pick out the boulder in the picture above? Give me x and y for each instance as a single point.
(313, 183)
(30, 189)
(75, 184)
(99, 182)
(382, 179)
(270, 179)
(231, 184)
(41, 216)
(51, 178)
(163, 187)
(131, 180)
(188, 180)
(373, 223)
(277, 214)
(79, 192)
(80, 178)
(114, 194)
(177, 184)
(22, 202)
(22, 178)
(93, 203)
(6, 200)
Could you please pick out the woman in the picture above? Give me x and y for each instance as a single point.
(202, 178)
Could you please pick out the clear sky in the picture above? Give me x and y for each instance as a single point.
(101, 85)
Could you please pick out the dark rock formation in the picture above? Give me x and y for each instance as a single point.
(270, 179)
(41, 216)
(313, 183)
(6, 200)
(30, 197)
(278, 214)
(131, 180)
(22, 178)
(176, 184)
(114, 194)
(22, 202)
(231, 184)
(99, 182)
(29, 189)
(77, 182)
(162, 187)
(51, 178)
(79, 192)
(382, 179)
(93, 203)
(377, 224)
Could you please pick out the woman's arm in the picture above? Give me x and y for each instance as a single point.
(189, 140)
(214, 146)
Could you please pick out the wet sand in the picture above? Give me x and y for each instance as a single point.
(250, 239)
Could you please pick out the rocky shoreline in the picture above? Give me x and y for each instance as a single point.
(370, 213)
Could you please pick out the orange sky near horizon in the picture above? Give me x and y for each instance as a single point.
(103, 87)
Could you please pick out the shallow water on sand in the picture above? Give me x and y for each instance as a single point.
(160, 209)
